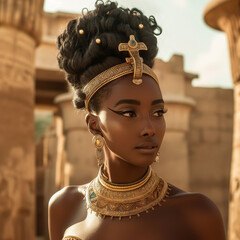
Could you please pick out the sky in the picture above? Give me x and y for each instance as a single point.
(205, 50)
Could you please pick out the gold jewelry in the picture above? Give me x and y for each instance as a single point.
(134, 13)
(81, 31)
(98, 142)
(119, 200)
(98, 40)
(124, 187)
(141, 26)
(157, 157)
(71, 238)
(110, 75)
(135, 60)
(134, 64)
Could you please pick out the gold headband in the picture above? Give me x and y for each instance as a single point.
(134, 64)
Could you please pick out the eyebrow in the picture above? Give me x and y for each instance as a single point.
(136, 102)
(160, 100)
(128, 101)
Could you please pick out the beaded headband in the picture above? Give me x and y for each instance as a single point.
(134, 64)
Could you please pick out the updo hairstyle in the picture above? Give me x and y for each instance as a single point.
(82, 58)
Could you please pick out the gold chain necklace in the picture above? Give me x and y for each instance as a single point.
(126, 200)
(123, 187)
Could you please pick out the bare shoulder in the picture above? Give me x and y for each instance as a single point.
(61, 208)
(201, 212)
(66, 195)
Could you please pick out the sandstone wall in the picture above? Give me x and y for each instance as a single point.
(210, 144)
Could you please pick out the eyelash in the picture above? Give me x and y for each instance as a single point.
(162, 111)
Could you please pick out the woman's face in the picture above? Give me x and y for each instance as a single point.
(132, 122)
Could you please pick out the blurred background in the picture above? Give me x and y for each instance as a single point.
(44, 142)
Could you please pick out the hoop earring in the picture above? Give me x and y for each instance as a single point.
(157, 158)
(98, 142)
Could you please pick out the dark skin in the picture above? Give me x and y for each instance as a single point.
(130, 118)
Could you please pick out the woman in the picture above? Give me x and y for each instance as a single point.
(107, 55)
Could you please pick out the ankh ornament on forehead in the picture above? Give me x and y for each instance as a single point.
(135, 60)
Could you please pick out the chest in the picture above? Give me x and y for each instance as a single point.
(155, 225)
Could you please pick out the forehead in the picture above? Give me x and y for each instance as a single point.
(124, 88)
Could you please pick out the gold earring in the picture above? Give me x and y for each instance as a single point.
(98, 142)
(157, 158)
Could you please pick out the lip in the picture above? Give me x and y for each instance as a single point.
(149, 148)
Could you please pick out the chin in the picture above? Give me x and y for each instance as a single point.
(143, 162)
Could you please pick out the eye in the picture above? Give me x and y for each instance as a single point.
(159, 113)
(128, 113)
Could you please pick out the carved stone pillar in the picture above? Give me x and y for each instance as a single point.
(224, 15)
(81, 164)
(19, 34)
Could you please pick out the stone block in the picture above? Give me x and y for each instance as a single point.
(226, 136)
(200, 93)
(211, 135)
(80, 156)
(225, 107)
(205, 106)
(194, 136)
(177, 117)
(174, 158)
(226, 123)
(208, 163)
(73, 118)
(206, 121)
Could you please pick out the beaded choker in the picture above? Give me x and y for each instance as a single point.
(126, 200)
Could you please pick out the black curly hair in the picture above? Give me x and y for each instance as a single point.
(82, 58)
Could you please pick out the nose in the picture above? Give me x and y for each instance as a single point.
(148, 129)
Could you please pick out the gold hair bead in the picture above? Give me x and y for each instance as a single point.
(134, 13)
(98, 40)
(81, 31)
(108, 12)
(140, 26)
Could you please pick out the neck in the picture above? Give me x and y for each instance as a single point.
(119, 171)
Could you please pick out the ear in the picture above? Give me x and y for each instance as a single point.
(93, 123)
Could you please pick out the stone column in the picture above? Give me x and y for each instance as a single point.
(231, 26)
(19, 33)
(81, 164)
(225, 16)
(174, 160)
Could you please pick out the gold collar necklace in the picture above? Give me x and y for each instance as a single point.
(126, 200)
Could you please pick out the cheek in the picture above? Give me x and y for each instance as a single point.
(161, 128)
(111, 127)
